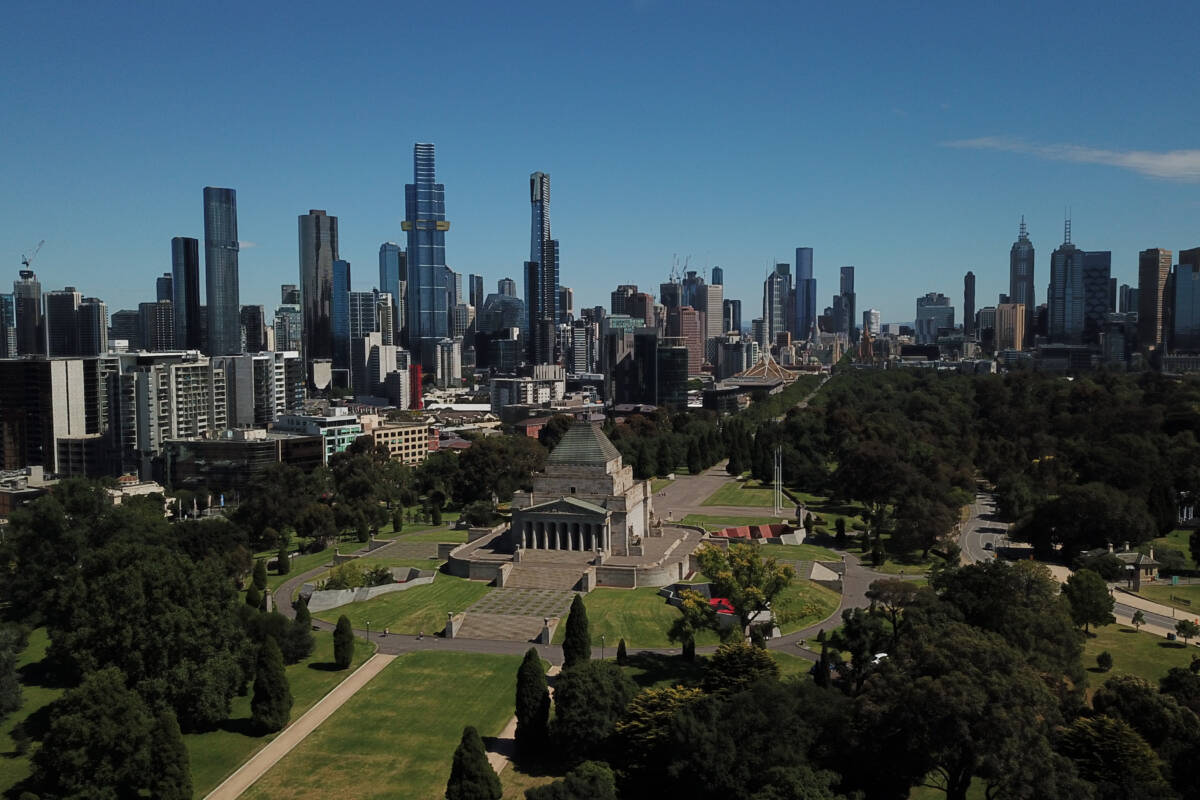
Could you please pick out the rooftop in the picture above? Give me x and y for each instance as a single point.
(584, 444)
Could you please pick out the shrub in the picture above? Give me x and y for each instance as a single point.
(1104, 661)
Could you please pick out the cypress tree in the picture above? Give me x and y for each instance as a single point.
(577, 643)
(260, 575)
(343, 643)
(272, 701)
(300, 637)
(283, 561)
(622, 654)
(172, 774)
(471, 776)
(533, 702)
(254, 597)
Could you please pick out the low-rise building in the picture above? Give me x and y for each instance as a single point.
(407, 442)
(339, 428)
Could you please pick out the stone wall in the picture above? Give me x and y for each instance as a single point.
(325, 599)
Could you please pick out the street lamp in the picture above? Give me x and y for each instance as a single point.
(368, 630)
(602, 642)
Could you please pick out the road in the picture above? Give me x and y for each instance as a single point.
(983, 527)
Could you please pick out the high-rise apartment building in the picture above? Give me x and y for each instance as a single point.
(254, 329)
(968, 305)
(1064, 296)
(393, 279)
(1010, 326)
(934, 313)
(185, 292)
(427, 292)
(318, 241)
(541, 274)
(221, 271)
(27, 300)
(475, 295)
(162, 287)
(62, 322)
(806, 295)
(710, 302)
(1021, 271)
(777, 296)
(93, 327)
(156, 323)
(871, 321)
(126, 326)
(1154, 267)
(731, 313)
(8, 326)
(288, 327)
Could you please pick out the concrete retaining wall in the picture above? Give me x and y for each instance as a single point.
(325, 599)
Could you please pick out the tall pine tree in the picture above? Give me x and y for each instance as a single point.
(259, 577)
(172, 776)
(577, 642)
(533, 703)
(299, 635)
(272, 702)
(471, 776)
(343, 643)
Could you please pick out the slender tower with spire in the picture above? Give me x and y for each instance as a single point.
(1020, 274)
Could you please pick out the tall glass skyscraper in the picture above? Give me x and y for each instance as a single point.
(1064, 295)
(428, 294)
(340, 315)
(27, 302)
(1185, 303)
(541, 274)
(806, 294)
(393, 279)
(777, 290)
(185, 292)
(221, 272)
(1020, 275)
(318, 250)
(1097, 293)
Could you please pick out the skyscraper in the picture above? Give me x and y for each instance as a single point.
(1154, 267)
(393, 279)
(1097, 293)
(1020, 274)
(1185, 303)
(157, 326)
(1064, 296)
(185, 292)
(934, 313)
(806, 294)
(427, 292)
(541, 273)
(849, 301)
(475, 291)
(339, 315)
(62, 323)
(506, 287)
(163, 287)
(968, 305)
(777, 291)
(1010, 326)
(318, 235)
(27, 299)
(718, 276)
(289, 294)
(254, 329)
(93, 326)
(221, 271)
(871, 321)
(8, 327)
(731, 312)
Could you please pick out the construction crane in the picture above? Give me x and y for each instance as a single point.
(27, 261)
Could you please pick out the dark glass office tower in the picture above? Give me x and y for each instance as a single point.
(1097, 293)
(718, 277)
(806, 294)
(163, 287)
(969, 304)
(541, 274)
(848, 322)
(254, 329)
(340, 315)
(425, 222)
(62, 322)
(1064, 295)
(1154, 267)
(393, 278)
(27, 299)
(185, 292)
(221, 271)
(1185, 303)
(732, 312)
(777, 294)
(93, 327)
(318, 250)
(1020, 276)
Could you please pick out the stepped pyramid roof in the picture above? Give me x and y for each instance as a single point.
(584, 444)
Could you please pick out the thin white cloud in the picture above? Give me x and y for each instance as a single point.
(246, 245)
(1177, 165)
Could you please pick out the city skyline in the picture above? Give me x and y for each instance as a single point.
(869, 166)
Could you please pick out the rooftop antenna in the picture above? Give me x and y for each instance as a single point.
(1067, 226)
(1024, 232)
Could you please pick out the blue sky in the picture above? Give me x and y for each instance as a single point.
(905, 139)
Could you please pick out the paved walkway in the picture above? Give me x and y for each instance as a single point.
(281, 745)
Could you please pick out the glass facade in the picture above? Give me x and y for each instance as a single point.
(1020, 272)
(340, 315)
(541, 274)
(806, 294)
(185, 292)
(318, 233)
(1097, 293)
(393, 278)
(221, 271)
(1186, 309)
(1064, 296)
(427, 293)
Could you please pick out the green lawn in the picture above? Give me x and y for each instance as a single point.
(749, 493)
(804, 603)
(800, 552)
(421, 608)
(368, 562)
(830, 511)
(216, 754)
(658, 484)
(396, 737)
(790, 665)
(641, 616)
(448, 518)
(1176, 596)
(1142, 654)
(441, 533)
(14, 768)
(300, 564)
(712, 523)
(1177, 539)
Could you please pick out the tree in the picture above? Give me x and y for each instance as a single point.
(298, 642)
(10, 684)
(254, 597)
(1088, 596)
(694, 463)
(736, 665)
(1187, 629)
(471, 776)
(533, 703)
(1115, 759)
(1138, 619)
(343, 643)
(272, 702)
(892, 596)
(577, 642)
(1104, 661)
(1183, 685)
(643, 735)
(589, 698)
(283, 560)
(591, 780)
(862, 636)
(744, 577)
(102, 742)
(622, 653)
(695, 614)
(554, 429)
(1194, 545)
(259, 577)
(316, 521)
(480, 514)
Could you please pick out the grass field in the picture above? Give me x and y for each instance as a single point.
(713, 523)
(216, 754)
(300, 564)
(1177, 539)
(15, 768)
(750, 493)
(1175, 596)
(799, 552)
(448, 518)
(641, 616)
(421, 608)
(1142, 654)
(804, 603)
(368, 562)
(396, 736)
(442, 533)
(830, 511)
